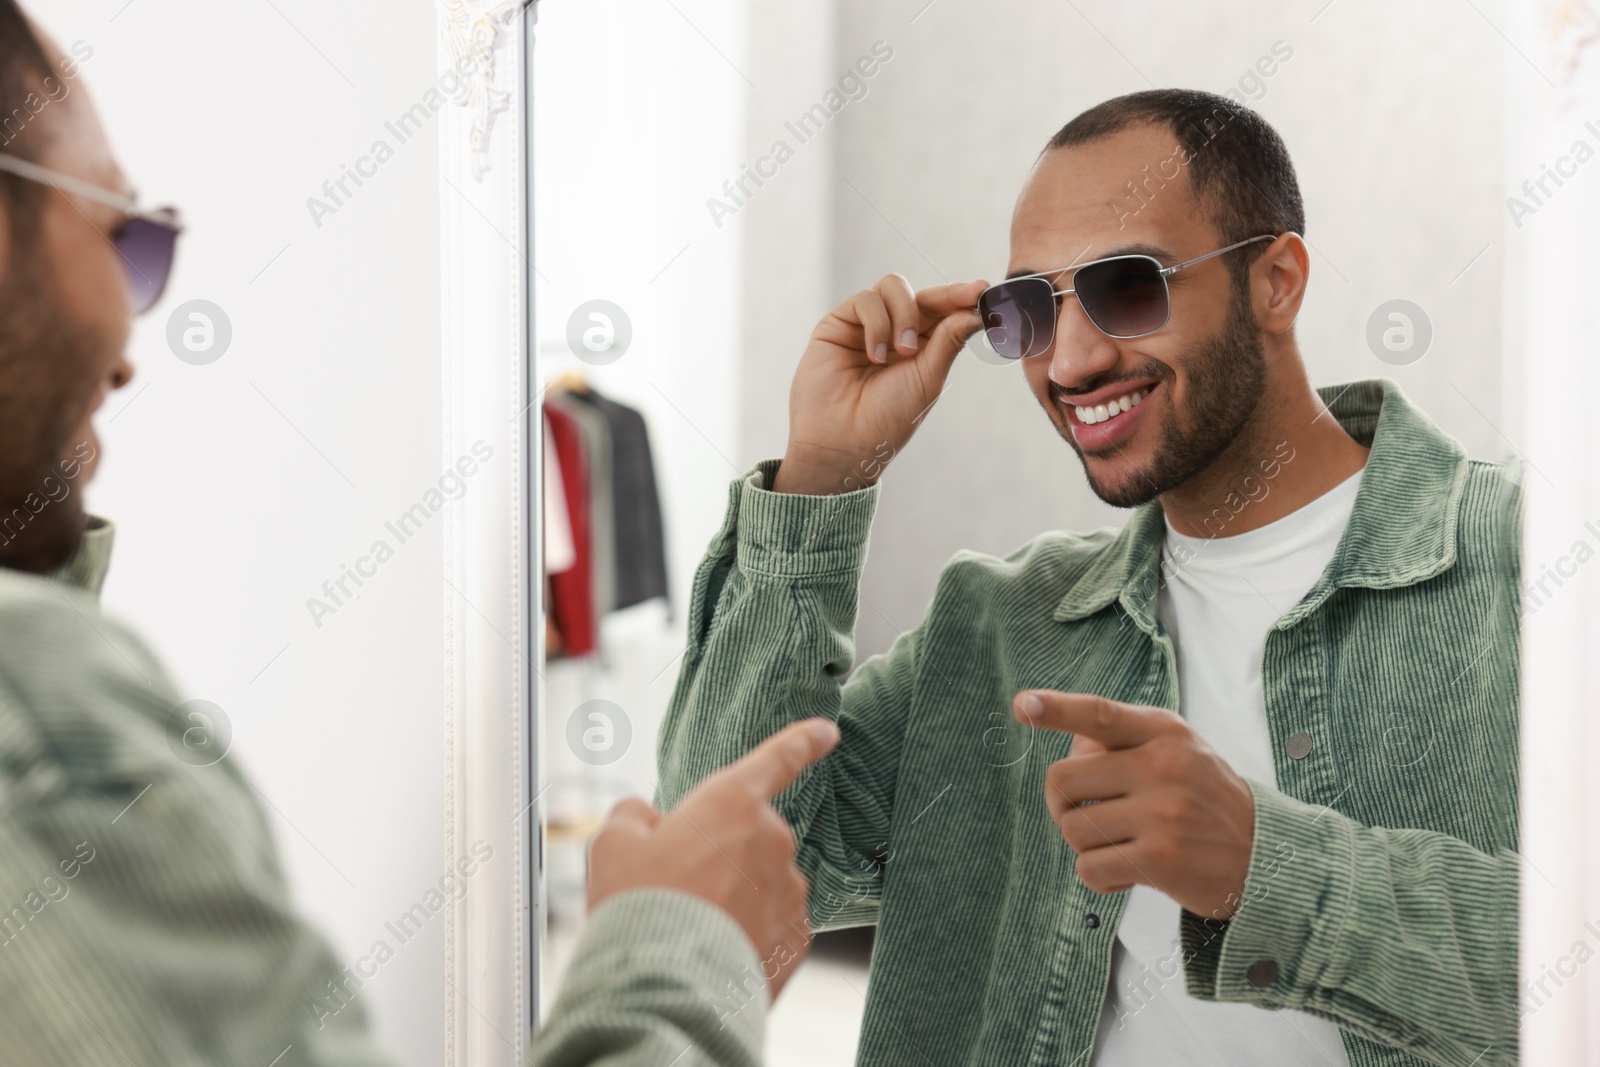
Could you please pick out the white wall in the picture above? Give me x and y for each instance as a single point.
(240, 486)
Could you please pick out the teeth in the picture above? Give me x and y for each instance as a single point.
(1102, 412)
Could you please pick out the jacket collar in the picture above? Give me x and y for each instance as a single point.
(1402, 529)
(86, 570)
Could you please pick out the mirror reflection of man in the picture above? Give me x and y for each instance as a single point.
(1120, 795)
(144, 917)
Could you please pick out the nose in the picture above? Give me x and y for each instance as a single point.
(1080, 353)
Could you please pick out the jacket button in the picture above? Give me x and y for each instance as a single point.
(1299, 745)
(1091, 920)
(1262, 973)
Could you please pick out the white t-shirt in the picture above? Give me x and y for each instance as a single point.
(1219, 598)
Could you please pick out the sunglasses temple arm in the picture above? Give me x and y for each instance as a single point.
(66, 183)
(1175, 268)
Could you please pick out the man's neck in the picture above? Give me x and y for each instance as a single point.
(1291, 454)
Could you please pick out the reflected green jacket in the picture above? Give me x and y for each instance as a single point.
(1383, 865)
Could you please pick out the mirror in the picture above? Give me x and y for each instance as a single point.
(709, 180)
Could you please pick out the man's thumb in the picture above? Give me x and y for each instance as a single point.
(945, 343)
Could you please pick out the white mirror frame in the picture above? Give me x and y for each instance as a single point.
(493, 615)
(1553, 375)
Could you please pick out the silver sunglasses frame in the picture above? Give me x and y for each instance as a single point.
(128, 205)
(1163, 272)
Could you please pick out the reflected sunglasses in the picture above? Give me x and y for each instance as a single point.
(1124, 296)
(146, 239)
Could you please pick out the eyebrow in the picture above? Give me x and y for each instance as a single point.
(1138, 248)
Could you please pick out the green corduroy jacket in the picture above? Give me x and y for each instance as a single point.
(1383, 875)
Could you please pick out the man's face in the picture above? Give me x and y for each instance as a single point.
(65, 313)
(1203, 372)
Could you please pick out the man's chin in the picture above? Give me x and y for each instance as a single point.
(46, 540)
(1117, 482)
(87, 466)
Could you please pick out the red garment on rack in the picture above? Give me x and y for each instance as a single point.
(572, 590)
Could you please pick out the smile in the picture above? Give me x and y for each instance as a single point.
(1105, 412)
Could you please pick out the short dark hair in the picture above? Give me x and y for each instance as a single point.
(1237, 161)
(23, 66)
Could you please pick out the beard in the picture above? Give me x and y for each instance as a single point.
(45, 386)
(1226, 375)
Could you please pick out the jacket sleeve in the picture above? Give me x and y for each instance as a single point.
(1407, 937)
(147, 919)
(658, 977)
(770, 638)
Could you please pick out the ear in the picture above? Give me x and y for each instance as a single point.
(1278, 282)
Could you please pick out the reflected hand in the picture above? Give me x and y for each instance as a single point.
(1168, 813)
(872, 369)
(726, 844)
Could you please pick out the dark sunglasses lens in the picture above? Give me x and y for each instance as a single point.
(1019, 317)
(146, 247)
(1124, 297)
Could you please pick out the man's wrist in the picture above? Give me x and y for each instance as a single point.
(801, 478)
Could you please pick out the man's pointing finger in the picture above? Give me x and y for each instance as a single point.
(775, 763)
(1110, 722)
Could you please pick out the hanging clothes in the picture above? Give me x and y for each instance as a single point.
(595, 432)
(639, 542)
(559, 553)
(572, 590)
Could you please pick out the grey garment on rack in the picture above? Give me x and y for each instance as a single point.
(641, 555)
(595, 430)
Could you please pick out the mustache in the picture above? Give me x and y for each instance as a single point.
(1158, 372)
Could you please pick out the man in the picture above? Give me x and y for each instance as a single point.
(1272, 719)
(144, 918)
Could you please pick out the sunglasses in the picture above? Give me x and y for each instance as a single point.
(145, 239)
(1124, 296)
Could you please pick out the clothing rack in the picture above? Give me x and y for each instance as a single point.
(604, 536)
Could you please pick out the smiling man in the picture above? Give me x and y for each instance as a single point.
(1232, 784)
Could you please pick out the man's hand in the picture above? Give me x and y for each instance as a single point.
(724, 843)
(1168, 812)
(872, 369)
